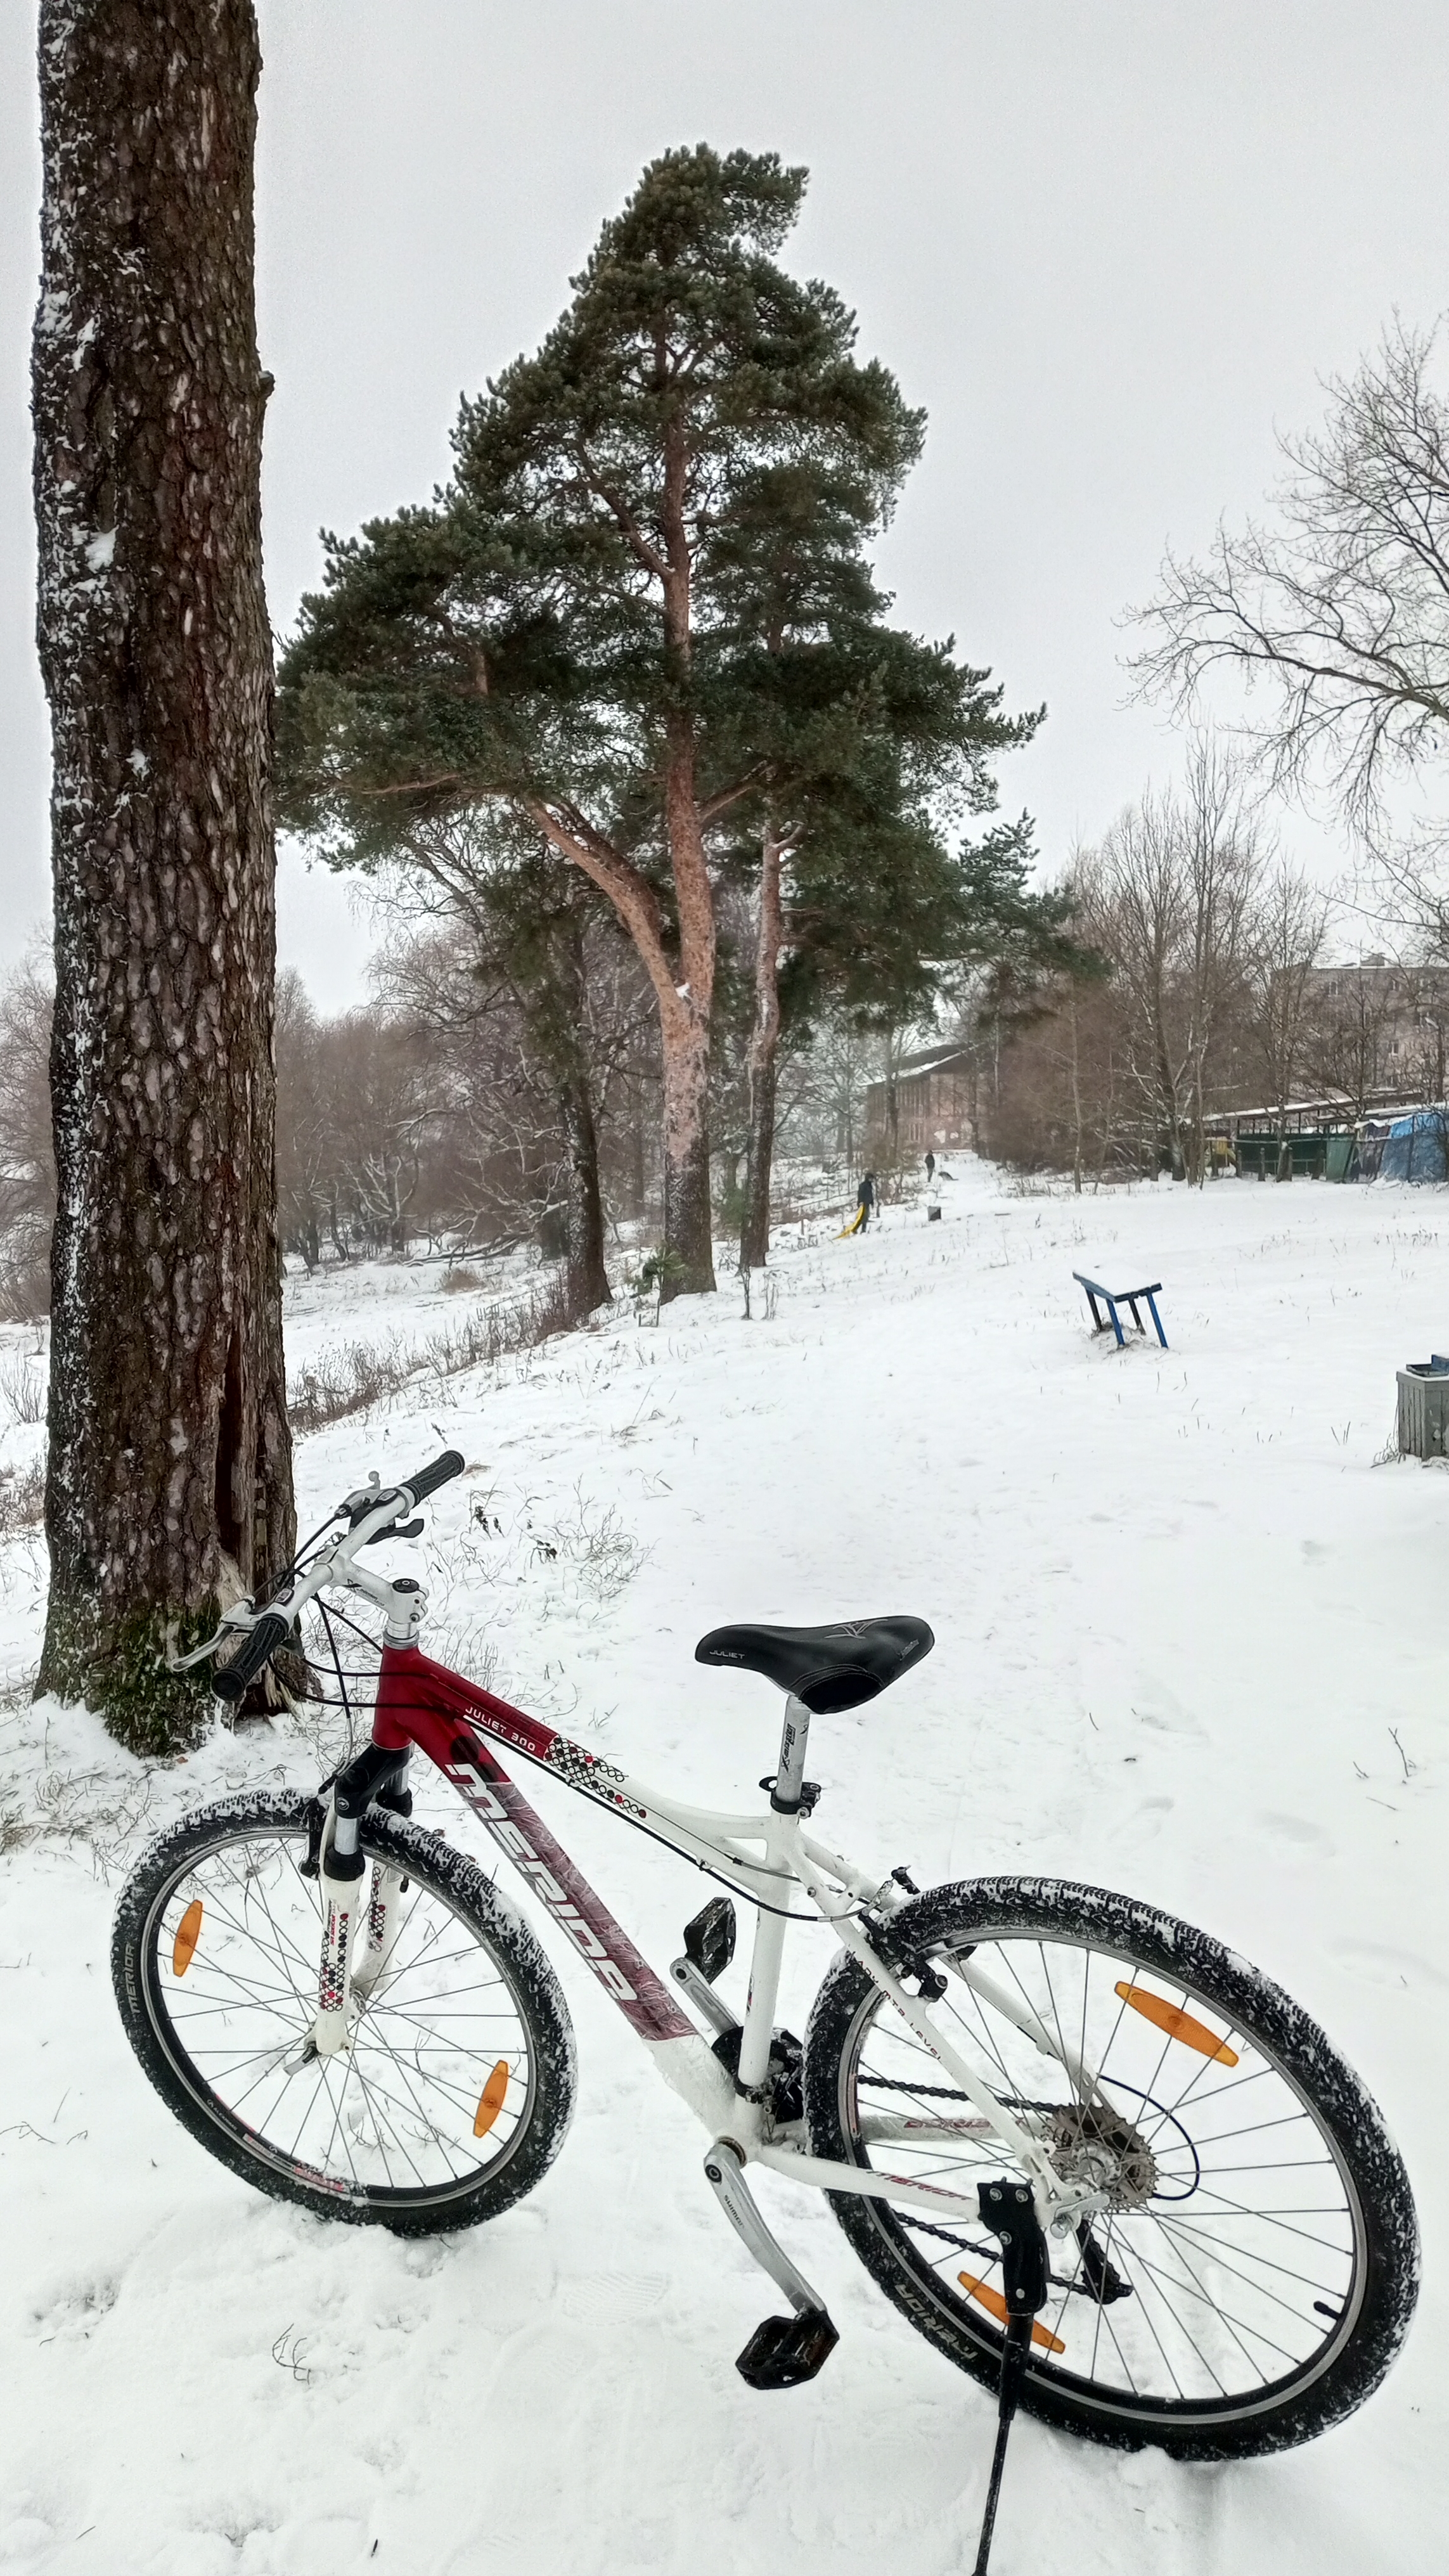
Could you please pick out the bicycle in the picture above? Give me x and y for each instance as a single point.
(1095, 2158)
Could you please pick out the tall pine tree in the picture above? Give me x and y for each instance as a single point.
(558, 631)
(170, 1461)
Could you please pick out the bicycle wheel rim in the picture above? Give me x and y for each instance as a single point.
(1120, 2384)
(349, 2132)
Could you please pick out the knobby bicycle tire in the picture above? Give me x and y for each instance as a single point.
(1160, 2168)
(244, 1835)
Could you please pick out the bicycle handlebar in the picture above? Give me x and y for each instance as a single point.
(257, 1648)
(274, 1627)
(428, 1479)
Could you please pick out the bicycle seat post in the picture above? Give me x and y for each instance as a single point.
(759, 2031)
(794, 1736)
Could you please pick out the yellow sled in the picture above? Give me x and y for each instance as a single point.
(852, 1228)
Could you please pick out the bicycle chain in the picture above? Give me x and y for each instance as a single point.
(951, 2093)
(925, 2226)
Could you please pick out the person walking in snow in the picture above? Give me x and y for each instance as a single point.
(865, 1201)
(930, 1167)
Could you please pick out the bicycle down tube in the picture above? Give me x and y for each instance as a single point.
(421, 1703)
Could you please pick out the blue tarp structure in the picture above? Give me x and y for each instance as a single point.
(1412, 1148)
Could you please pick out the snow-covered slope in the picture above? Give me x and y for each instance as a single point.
(1189, 1645)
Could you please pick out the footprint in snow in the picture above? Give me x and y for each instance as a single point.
(598, 2297)
(72, 2309)
(1301, 1838)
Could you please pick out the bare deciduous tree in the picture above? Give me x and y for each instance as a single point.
(1289, 928)
(1345, 1046)
(1337, 613)
(1168, 898)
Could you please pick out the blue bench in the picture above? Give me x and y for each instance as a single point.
(1112, 1298)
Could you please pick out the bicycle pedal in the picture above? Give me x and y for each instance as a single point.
(786, 2351)
(709, 1941)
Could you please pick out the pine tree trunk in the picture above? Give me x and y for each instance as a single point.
(892, 1102)
(555, 1006)
(587, 1278)
(763, 1065)
(688, 1236)
(685, 1026)
(759, 1166)
(683, 992)
(170, 1458)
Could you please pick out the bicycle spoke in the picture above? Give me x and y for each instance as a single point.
(1126, 2260)
(1210, 2312)
(394, 2110)
(1264, 2262)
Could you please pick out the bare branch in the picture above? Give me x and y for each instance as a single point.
(1340, 610)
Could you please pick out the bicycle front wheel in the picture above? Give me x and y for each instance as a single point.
(1252, 2270)
(453, 2094)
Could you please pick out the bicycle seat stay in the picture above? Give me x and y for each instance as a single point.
(829, 1669)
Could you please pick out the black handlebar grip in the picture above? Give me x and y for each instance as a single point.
(428, 1479)
(258, 1648)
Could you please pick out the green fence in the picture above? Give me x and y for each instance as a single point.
(1320, 1153)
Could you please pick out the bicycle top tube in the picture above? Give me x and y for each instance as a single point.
(445, 1714)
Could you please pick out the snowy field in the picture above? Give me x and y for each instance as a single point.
(1191, 1643)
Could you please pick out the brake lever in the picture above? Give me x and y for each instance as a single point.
(399, 1529)
(362, 1499)
(236, 1621)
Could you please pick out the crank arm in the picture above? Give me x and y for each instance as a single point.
(710, 2006)
(725, 2173)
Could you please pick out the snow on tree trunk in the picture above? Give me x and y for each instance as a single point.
(170, 1457)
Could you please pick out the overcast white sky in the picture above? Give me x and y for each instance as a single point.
(1111, 245)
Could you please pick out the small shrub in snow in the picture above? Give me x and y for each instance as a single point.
(22, 1499)
(23, 1388)
(353, 1376)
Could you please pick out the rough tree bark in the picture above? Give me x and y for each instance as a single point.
(588, 1280)
(170, 1460)
(762, 1063)
(684, 992)
(556, 1035)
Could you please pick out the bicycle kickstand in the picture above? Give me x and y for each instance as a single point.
(1009, 2211)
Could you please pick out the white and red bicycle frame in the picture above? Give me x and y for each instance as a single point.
(766, 1858)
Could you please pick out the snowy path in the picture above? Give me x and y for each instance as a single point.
(1177, 1619)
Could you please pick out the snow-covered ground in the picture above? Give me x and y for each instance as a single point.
(1189, 1644)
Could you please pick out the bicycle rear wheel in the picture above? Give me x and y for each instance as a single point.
(454, 2093)
(1254, 2271)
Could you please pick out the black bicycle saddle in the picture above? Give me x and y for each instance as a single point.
(828, 1668)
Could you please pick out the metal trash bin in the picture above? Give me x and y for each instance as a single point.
(1424, 1408)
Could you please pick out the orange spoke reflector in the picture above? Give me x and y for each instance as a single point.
(490, 2100)
(188, 1933)
(1177, 2023)
(993, 2300)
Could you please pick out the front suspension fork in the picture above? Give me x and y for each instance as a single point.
(358, 1930)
